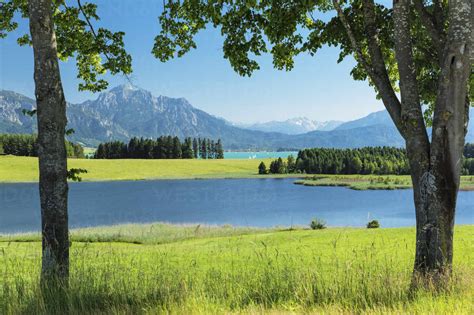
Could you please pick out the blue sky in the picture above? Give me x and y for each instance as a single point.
(317, 87)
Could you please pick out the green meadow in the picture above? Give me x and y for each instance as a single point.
(25, 169)
(192, 269)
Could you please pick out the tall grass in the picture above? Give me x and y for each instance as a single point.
(335, 270)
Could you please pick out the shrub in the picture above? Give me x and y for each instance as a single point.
(374, 224)
(318, 224)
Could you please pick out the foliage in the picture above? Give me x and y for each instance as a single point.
(317, 224)
(286, 29)
(468, 167)
(96, 51)
(26, 145)
(262, 168)
(74, 174)
(291, 164)
(469, 150)
(278, 167)
(165, 147)
(368, 160)
(374, 224)
(364, 161)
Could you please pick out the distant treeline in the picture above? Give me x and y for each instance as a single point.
(468, 163)
(369, 160)
(26, 145)
(165, 147)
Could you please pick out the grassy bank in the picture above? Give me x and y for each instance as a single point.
(25, 169)
(196, 269)
(371, 182)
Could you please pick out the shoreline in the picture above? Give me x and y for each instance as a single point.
(299, 179)
(24, 170)
(256, 176)
(194, 228)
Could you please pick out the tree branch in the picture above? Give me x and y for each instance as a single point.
(358, 50)
(381, 77)
(430, 24)
(411, 113)
(376, 68)
(95, 35)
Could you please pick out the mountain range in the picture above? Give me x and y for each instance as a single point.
(126, 111)
(293, 126)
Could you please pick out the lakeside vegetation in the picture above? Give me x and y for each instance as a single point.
(371, 182)
(362, 161)
(26, 145)
(161, 268)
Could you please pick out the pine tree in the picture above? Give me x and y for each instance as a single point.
(176, 152)
(291, 164)
(100, 153)
(262, 168)
(209, 148)
(213, 150)
(203, 149)
(195, 148)
(187, 149)
(219, 149)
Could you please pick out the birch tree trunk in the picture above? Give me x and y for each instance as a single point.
(51, 115)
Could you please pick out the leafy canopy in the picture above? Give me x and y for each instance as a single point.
(96, 51)
(286, 28)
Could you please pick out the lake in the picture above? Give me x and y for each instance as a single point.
(243, 202)
(259, 155)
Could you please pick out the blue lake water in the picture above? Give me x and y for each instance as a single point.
(259, 155)
(244, 202)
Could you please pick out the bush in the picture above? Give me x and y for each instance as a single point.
(318, 224)
(374, 224)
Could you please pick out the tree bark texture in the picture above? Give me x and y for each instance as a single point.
(439, 184)
(51, 115)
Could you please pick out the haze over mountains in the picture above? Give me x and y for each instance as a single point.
(293, 126)
(125, 112)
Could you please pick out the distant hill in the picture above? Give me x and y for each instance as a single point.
(293, 126)
(377, 118)
(126, 111)
(383, 118)
(375, 135)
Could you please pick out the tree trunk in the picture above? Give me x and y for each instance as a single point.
(435, 209)
(51, 114)
(437, 187)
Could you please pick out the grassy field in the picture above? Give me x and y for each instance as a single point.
(161, 268)
(371, 182)
(25, 169)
